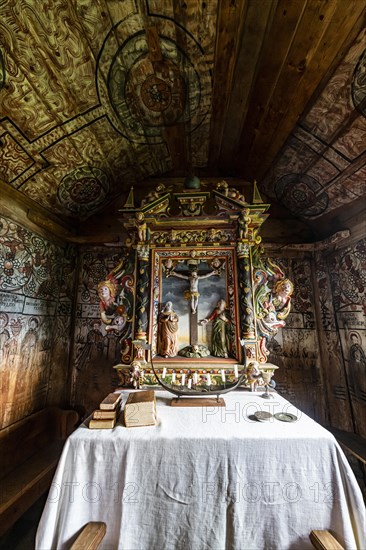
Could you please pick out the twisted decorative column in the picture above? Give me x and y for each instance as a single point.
(246, 302)
(142, 291)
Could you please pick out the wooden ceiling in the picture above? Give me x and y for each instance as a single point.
(101, 95)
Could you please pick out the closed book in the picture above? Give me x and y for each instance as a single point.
(110, 402)
(100, 424)
(99, 414)
(140, 409)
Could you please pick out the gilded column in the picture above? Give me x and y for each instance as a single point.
(142, 291)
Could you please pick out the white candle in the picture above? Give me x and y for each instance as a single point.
(189, 383)
(195, 378)
(208, 380)
(223, 375)
(183, 381)
(173, 377)
(164, 373)
(236, 371)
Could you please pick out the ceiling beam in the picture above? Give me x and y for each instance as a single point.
(24, 210)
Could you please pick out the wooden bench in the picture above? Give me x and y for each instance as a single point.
(90, 537)
(324, 540)
(29, 453)
(351, 442)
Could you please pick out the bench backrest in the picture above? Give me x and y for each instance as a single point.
(24, 438)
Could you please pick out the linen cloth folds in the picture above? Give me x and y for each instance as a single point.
(205, 478)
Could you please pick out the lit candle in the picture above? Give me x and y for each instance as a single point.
(183, 381)
(236, 371)
(173, 377)
(164, 373)
(189, 383)
(208, 379)
(223, 375)
(195, 378)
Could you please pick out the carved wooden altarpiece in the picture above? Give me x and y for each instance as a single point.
(198, 258)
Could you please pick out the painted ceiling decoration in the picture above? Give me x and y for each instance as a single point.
(97, 96)
(323, 163)
(2, 71)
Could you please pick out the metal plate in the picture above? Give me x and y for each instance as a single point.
(263, 416)
(285, 417)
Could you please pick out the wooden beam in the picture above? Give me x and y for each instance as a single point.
(24, 210)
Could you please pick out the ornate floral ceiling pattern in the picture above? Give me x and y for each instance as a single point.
(100, 95)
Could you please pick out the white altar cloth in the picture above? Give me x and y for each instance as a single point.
(205, 479)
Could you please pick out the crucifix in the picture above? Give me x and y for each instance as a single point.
(193, 295)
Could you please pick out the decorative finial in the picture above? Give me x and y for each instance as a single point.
(257, 199)
(130, 203)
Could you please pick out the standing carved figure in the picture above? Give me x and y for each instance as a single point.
(168, 331)
(244, 222)
(220, 330)
(141, 226)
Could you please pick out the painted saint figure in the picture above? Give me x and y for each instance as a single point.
(168, 331)
(193, 279)
(220, 341)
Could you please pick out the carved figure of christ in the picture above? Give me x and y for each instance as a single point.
(193, 279)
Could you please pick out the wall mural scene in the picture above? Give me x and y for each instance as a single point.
(104, 322)
(36, 297)
(348, 280)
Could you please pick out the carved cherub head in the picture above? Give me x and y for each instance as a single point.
(107, 290)
(284, 286)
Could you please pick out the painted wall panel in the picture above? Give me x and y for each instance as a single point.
(36, 296)
(95, 349)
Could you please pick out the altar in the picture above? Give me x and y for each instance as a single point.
(206, 478)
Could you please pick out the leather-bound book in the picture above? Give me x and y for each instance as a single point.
(140, 409)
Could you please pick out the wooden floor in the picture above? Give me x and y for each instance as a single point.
(23, 533)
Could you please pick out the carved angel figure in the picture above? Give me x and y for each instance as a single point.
(107, 292)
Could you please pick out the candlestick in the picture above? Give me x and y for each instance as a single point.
(173, 377)
(208, 379)
(183, 381)
(223, 378)
(164, 373)
(195, 378)
(189, 383)
(236, 371)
